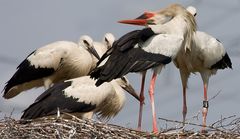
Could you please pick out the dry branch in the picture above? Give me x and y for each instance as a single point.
(58, 128)
(65, 128)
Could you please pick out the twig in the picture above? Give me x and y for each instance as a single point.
(213, 97)
(188, 123)
(11, 113)
(222, 119)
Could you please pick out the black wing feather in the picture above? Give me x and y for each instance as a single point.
(225, 62)
(128, 41)
(48, 102)
(105, 55)
(124, 58)
(26, 73)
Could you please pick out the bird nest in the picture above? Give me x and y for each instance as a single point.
(78, 128)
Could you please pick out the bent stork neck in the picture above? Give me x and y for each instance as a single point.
(183, 25)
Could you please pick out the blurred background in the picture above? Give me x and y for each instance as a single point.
(27, 25)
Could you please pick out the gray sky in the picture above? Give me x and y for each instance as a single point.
(26, 25)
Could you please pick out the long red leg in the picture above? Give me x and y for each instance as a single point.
(151, 94)
(205, 108)
(184, 111)
(141, 101)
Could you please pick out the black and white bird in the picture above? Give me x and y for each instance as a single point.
(102, 47)
(150, 48)
(81, 98)
(206, 57)
(108, 40)
(52, 63)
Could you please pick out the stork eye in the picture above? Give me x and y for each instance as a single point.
(84, 41)
(151, 22)
(195, 14)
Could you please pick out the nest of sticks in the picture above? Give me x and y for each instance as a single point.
(57, 127)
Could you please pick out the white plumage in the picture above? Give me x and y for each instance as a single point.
(207, 51)
(53, 63)
(170, 44)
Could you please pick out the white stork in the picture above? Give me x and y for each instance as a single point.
(150, 48)
(206, 57)
(108, 40)
(82, 98)
(52, 63)
(102, 47)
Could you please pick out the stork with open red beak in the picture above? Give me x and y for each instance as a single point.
(151, 48)
(206, 57)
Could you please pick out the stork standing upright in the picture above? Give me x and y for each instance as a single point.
(207, 56)
(150, 48)
(52, 63)
(82, 98)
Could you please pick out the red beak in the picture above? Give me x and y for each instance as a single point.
(142, 20)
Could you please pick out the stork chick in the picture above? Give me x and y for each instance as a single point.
(52, 63)
(82, 98)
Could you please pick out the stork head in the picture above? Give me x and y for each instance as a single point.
(159, 17)
(87, 42)
(124, 83)
(172, 13)
(192, 10)
(108, 39)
